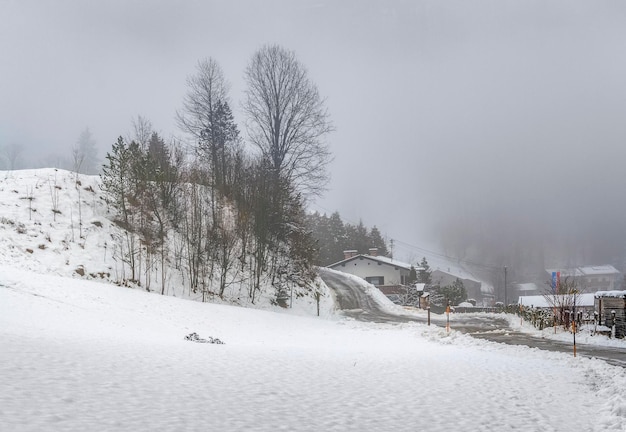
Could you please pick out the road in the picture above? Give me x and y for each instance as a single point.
(355, 302)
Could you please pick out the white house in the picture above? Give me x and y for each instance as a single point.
(377, 270)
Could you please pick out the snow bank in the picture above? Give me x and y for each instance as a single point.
(613, 294)
(587, 333)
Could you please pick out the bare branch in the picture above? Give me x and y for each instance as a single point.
(287, 120)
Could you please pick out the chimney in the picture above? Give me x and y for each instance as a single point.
(374, 251)
(349, 254)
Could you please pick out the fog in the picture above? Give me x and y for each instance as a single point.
(490, 131)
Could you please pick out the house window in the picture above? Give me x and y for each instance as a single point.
(376, 280)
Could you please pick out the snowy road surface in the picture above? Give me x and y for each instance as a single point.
(79, 355)
(364, 302)
(365, 305)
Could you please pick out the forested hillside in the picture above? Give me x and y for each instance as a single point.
(58, 222)
(333, 236)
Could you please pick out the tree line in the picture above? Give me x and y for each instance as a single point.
(82, 157)
(227, 212)
(333, 236)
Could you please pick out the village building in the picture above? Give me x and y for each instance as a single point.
(591, 278)
(387, 274)
(391, 277)
(581, 302)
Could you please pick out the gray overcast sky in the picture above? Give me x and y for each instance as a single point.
(485, 110)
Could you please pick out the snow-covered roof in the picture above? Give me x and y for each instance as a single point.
(568, 272)
(598, 270)
(454, 270)
(381, 259)
(615, 294)
(541, 301)
(586, 270)
(390, 261)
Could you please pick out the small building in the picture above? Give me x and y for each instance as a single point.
(582, 302)
(389, 275)
(591, 278)
(562, 306)
(611, 309)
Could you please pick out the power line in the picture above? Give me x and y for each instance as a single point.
(455, 259)
(427, 251)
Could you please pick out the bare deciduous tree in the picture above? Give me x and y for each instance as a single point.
(78, 157)
(287, 119)
(142, 131)
(12, 154)
(84, 154)
(206, 88)
(562, 298)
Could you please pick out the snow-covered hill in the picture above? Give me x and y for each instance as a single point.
(54, 221)
(40, 223)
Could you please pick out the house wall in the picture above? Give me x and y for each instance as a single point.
(599, 282)
(605, 305)
(594, 281)
(364, 268)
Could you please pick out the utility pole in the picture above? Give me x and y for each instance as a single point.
(505, 299)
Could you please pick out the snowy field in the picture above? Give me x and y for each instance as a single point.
(80, 355)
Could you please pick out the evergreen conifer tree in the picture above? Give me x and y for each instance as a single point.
(425, 273)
